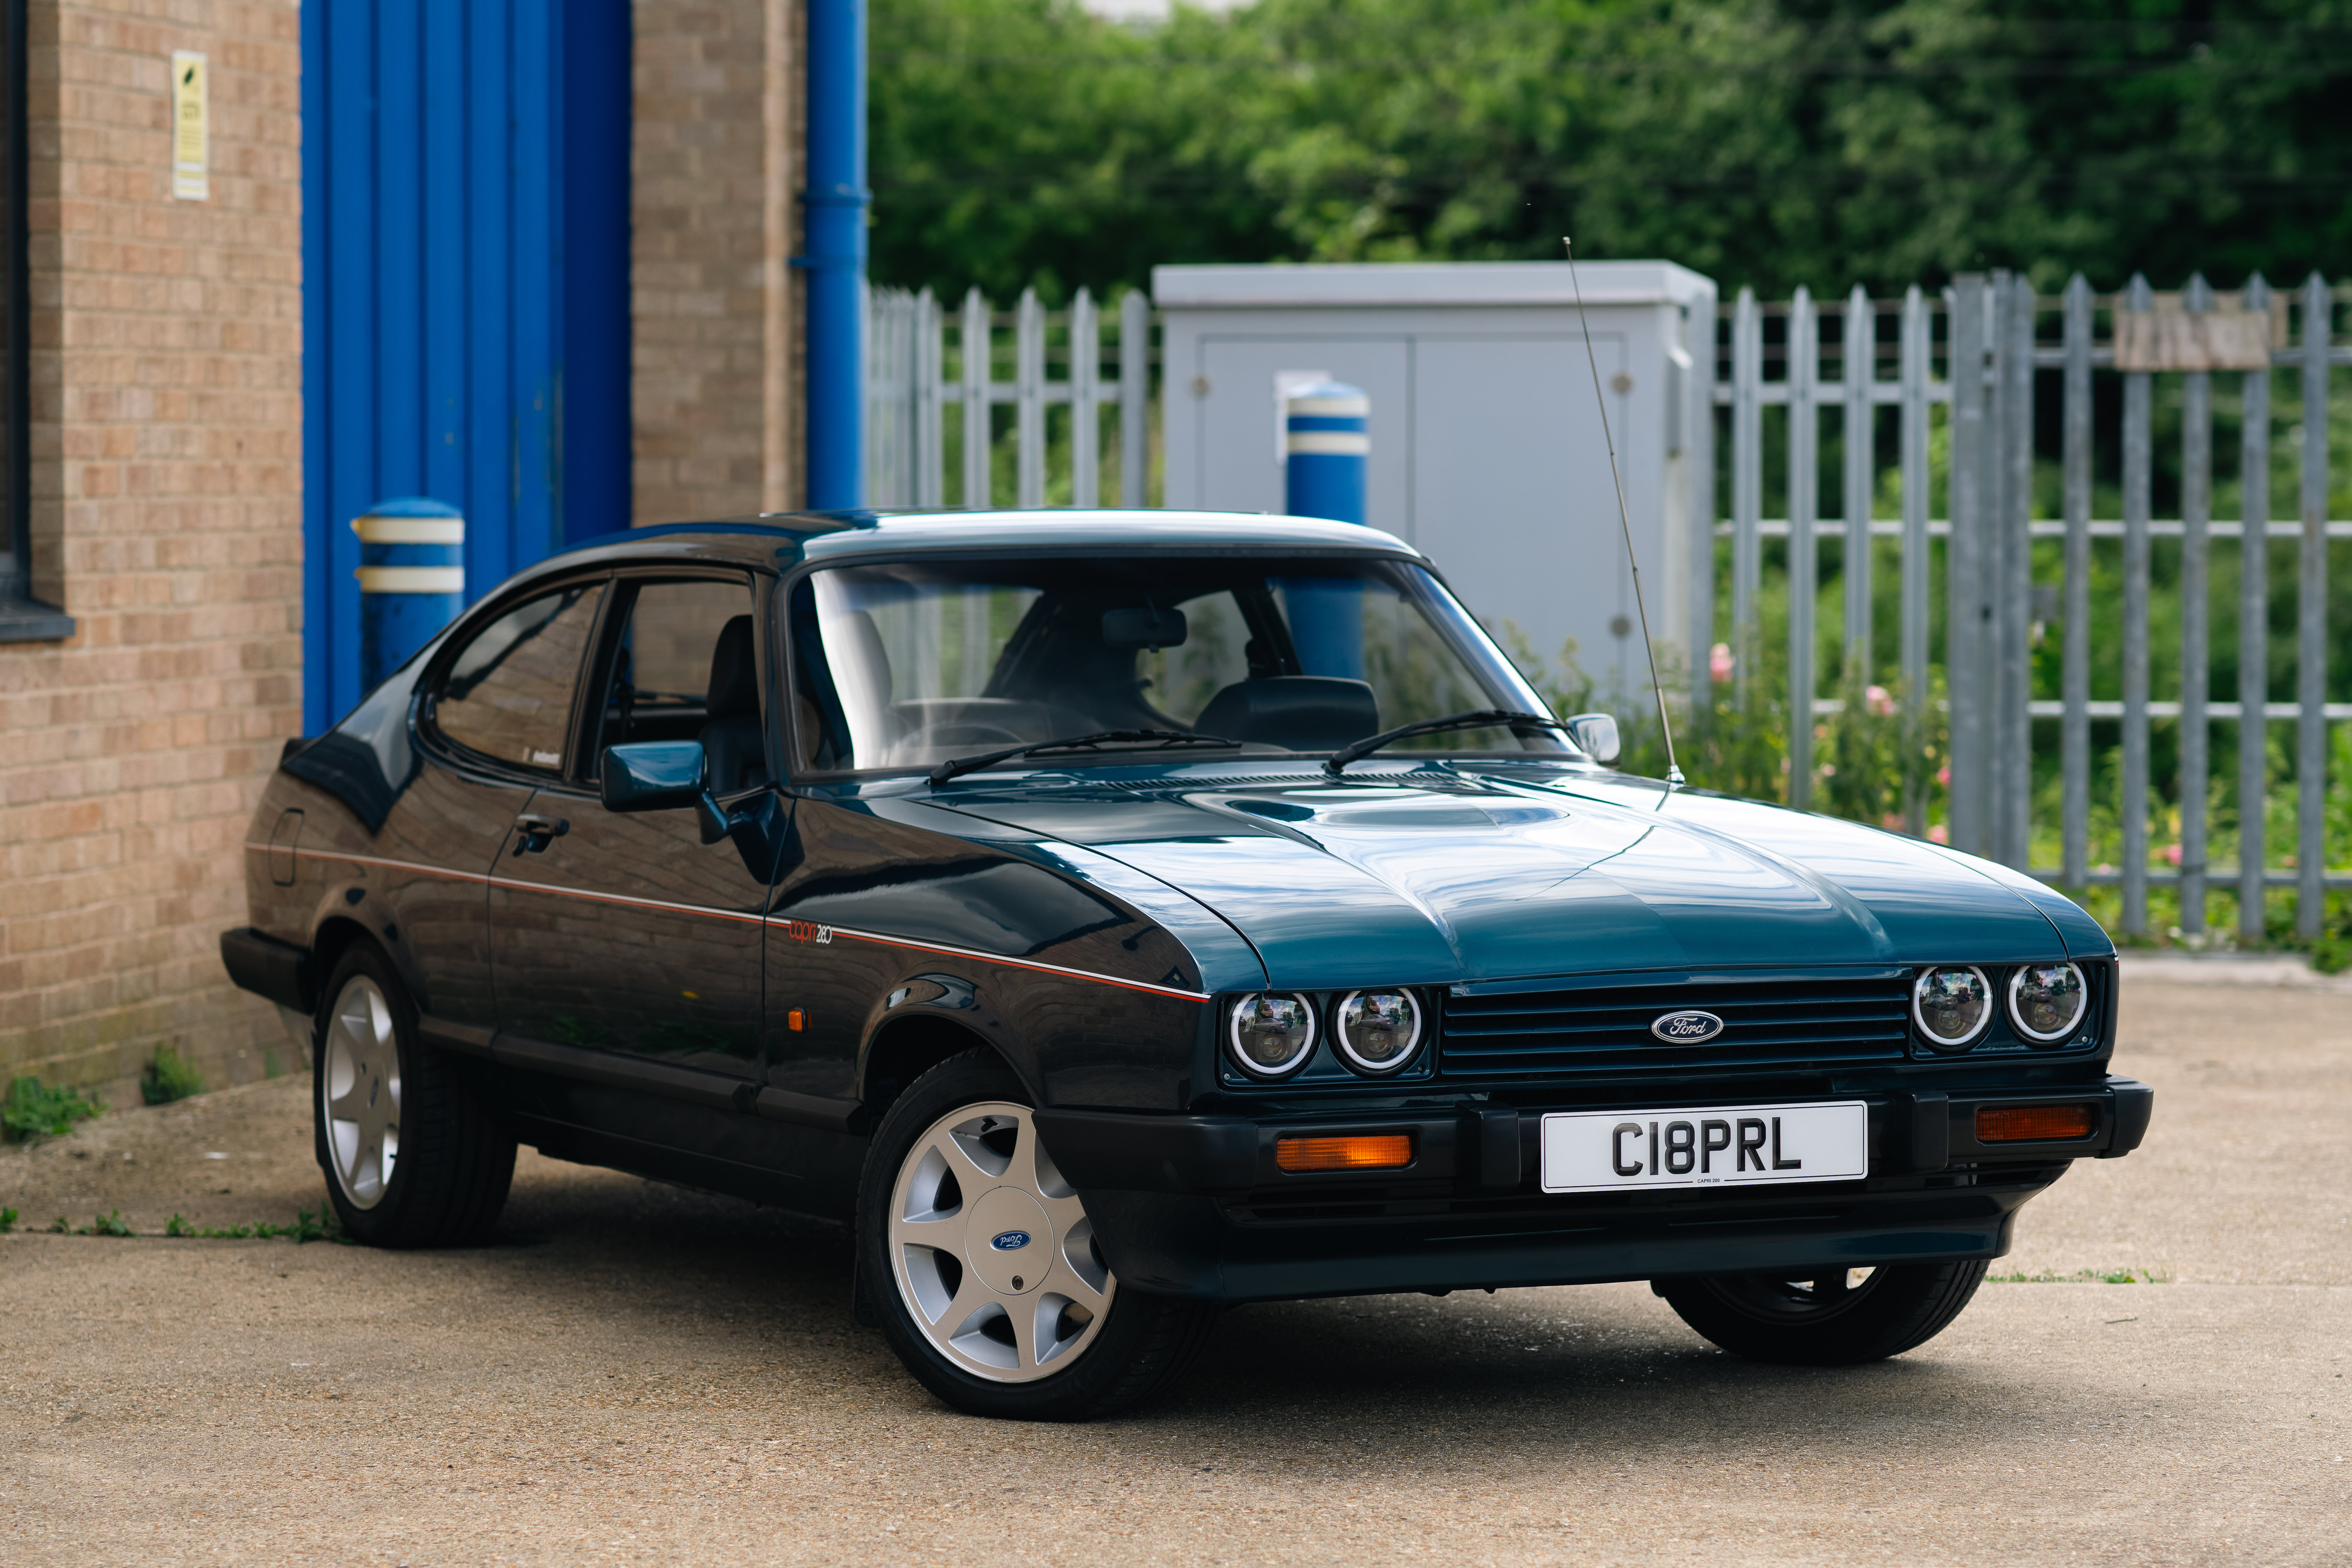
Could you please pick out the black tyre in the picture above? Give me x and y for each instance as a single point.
(1835, 1317)
(412, 1158)
(981, 1264)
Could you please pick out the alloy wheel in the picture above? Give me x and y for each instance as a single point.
(993, 1255)
(360, 1091)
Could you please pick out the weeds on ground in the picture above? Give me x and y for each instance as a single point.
(169, 1077)
(107, 1223)
(7, 1221)
(33, 1110)
(309, 1224)
(2080, 1277)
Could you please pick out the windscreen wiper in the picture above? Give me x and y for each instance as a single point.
(1481, 718)
(954, 766)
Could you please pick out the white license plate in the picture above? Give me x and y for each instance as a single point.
(1718, 1146)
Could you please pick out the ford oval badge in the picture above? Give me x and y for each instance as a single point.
(1687, 1029)
(1014, 1240)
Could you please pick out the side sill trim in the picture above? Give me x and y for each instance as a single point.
(819, 1112)
(716, 1090)
(467, 1039)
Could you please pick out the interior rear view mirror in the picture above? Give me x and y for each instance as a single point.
(1595, 734)
(1143, 628)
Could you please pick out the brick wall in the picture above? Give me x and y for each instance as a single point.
(715, 173)
(166, 440)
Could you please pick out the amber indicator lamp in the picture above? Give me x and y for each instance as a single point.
(1377, 1152)
(2034, 1123)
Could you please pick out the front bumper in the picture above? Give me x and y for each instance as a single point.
(1195, 1206)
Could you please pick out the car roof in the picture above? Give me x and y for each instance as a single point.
(782, 540)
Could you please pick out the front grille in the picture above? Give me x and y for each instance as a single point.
(1779, 1021)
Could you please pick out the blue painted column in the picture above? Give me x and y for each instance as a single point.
(834, 215)
(1327, 449)
(412, 576)
(465, 293)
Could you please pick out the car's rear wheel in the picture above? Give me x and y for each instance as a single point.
(412, 1158)
(1833, 1318)
(983, 1266)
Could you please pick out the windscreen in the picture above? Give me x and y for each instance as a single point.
(909, 664)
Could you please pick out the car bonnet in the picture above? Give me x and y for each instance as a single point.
(1445, 876)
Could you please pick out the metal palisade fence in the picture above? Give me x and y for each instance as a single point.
(1991, 543)
(919, 360)
(1961, 387)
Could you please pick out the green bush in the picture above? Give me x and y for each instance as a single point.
(33, 1110)
(168, 1078)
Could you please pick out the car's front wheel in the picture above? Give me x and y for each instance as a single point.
(985, 1269)
(413, 1157)
(1835, 1317)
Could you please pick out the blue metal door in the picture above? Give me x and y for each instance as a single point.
(465, 311)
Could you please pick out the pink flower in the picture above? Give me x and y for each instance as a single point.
(1718, 662)
(1878, 700)
(1939, 834)
(2172, 854)
(1944, 777)
(1892, 822)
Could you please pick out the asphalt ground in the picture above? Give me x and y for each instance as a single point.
(639, 1375)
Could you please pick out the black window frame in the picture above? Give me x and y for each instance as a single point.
(23, 619)
(584, 751)
(445, 748)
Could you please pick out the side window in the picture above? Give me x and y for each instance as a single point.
(685, 667)
(509, 695)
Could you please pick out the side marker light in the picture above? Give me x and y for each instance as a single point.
(1381, 1152)
(795, 1021)
(2034, 1123)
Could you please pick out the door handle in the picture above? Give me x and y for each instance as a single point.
(534, 833)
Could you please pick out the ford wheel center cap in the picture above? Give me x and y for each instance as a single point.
(1009, 1242)
(1689, 1027)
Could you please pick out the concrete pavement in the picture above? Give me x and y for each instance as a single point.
(637, 1375)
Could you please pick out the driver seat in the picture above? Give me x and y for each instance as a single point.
(735, 751)
(1303, 712)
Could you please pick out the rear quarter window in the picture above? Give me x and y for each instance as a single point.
(508, 694)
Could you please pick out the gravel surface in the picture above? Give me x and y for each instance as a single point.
(636, 1374)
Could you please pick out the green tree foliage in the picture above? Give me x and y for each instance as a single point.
(1763, 141)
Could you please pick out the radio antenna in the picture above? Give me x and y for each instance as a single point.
(1625, 519)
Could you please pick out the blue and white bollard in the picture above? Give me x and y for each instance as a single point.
(412, 580)
(1327, 448)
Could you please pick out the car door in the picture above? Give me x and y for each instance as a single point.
(626, 934)
(492, 725)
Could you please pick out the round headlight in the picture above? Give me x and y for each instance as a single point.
(1378, 1030)
(2047, 1000)
(1951, 1003)
(1271, 1034)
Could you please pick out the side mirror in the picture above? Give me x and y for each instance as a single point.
(1595, 734)
(653, 775)
(664, 775)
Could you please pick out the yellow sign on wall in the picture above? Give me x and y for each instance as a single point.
(191, 128)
